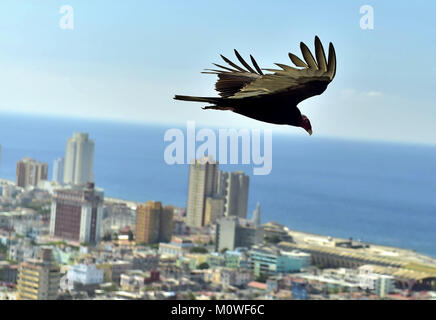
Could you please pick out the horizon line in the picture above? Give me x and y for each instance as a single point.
(215, 127)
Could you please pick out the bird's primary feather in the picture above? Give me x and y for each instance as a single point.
(273, 96)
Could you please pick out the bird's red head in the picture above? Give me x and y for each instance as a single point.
(305, 124)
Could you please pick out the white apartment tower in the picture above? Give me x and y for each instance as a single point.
(256, 219)
(79, 160)
(58, 170)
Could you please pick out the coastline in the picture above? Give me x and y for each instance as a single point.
(403, 254)
(305, 236)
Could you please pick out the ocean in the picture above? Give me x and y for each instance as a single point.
(382, 193)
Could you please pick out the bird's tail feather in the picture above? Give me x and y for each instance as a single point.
(199, 99)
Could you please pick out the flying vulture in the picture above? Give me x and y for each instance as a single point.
(272, 97)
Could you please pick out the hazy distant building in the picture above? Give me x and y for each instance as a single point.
(233, 186)
(256, 218)
(8, 191)
(30, 172)
(265, 260)
(85, 274)
(117, 216)
(154, 223)
(79, 160)
(380, 284)
(276, 232)
(233, 232)
(76, 214)
(166, 225)
(38, 279)
(213, 210)
(58, 170)
(203, 183)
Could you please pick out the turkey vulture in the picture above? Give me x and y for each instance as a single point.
(272, 97)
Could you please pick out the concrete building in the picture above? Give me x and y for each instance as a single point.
(79, 160)
(154, 223)
(215, 259)
(6, 220)
(233, 187)
(271, 261)
(338, 257)
(117, 216)
(231, 277)
(166, 225)
(8, 272)
(145, 261)
(274, 231)
(176, 247)
(380, 284)
(328, 281)
(58, 170)
(85, 274)
(38, 279)
(8, 191)
(237, 259)
(214, 209)
(233, 232)
(203, 183)
(23, 250)
(135, 280)
(114, 269)
(76, 214)
(30, 172)
(256, 218)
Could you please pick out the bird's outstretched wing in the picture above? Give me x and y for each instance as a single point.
(311, 78)
(232, 80)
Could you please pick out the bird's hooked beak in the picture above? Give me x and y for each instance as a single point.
(305, 124)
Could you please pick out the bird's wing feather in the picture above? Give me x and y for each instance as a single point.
(310, 79)
(232, 80)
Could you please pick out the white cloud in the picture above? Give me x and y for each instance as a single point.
(374, 93)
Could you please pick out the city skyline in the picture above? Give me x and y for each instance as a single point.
(223, 250)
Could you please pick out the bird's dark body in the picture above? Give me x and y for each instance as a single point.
(279, 109)
(272, 98)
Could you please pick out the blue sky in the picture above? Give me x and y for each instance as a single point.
(126, 60)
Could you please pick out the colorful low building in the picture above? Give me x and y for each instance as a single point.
(271, 261)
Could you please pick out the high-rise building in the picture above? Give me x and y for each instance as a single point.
(203, 183)
(233, 186)
(154, 223)
(233, 232)
(166, 224)
(58, 170)
(79, 160)
(30, 172)
(76, 214)
(214, 209)
(256, 219)
(147, 222)
(38, 279)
